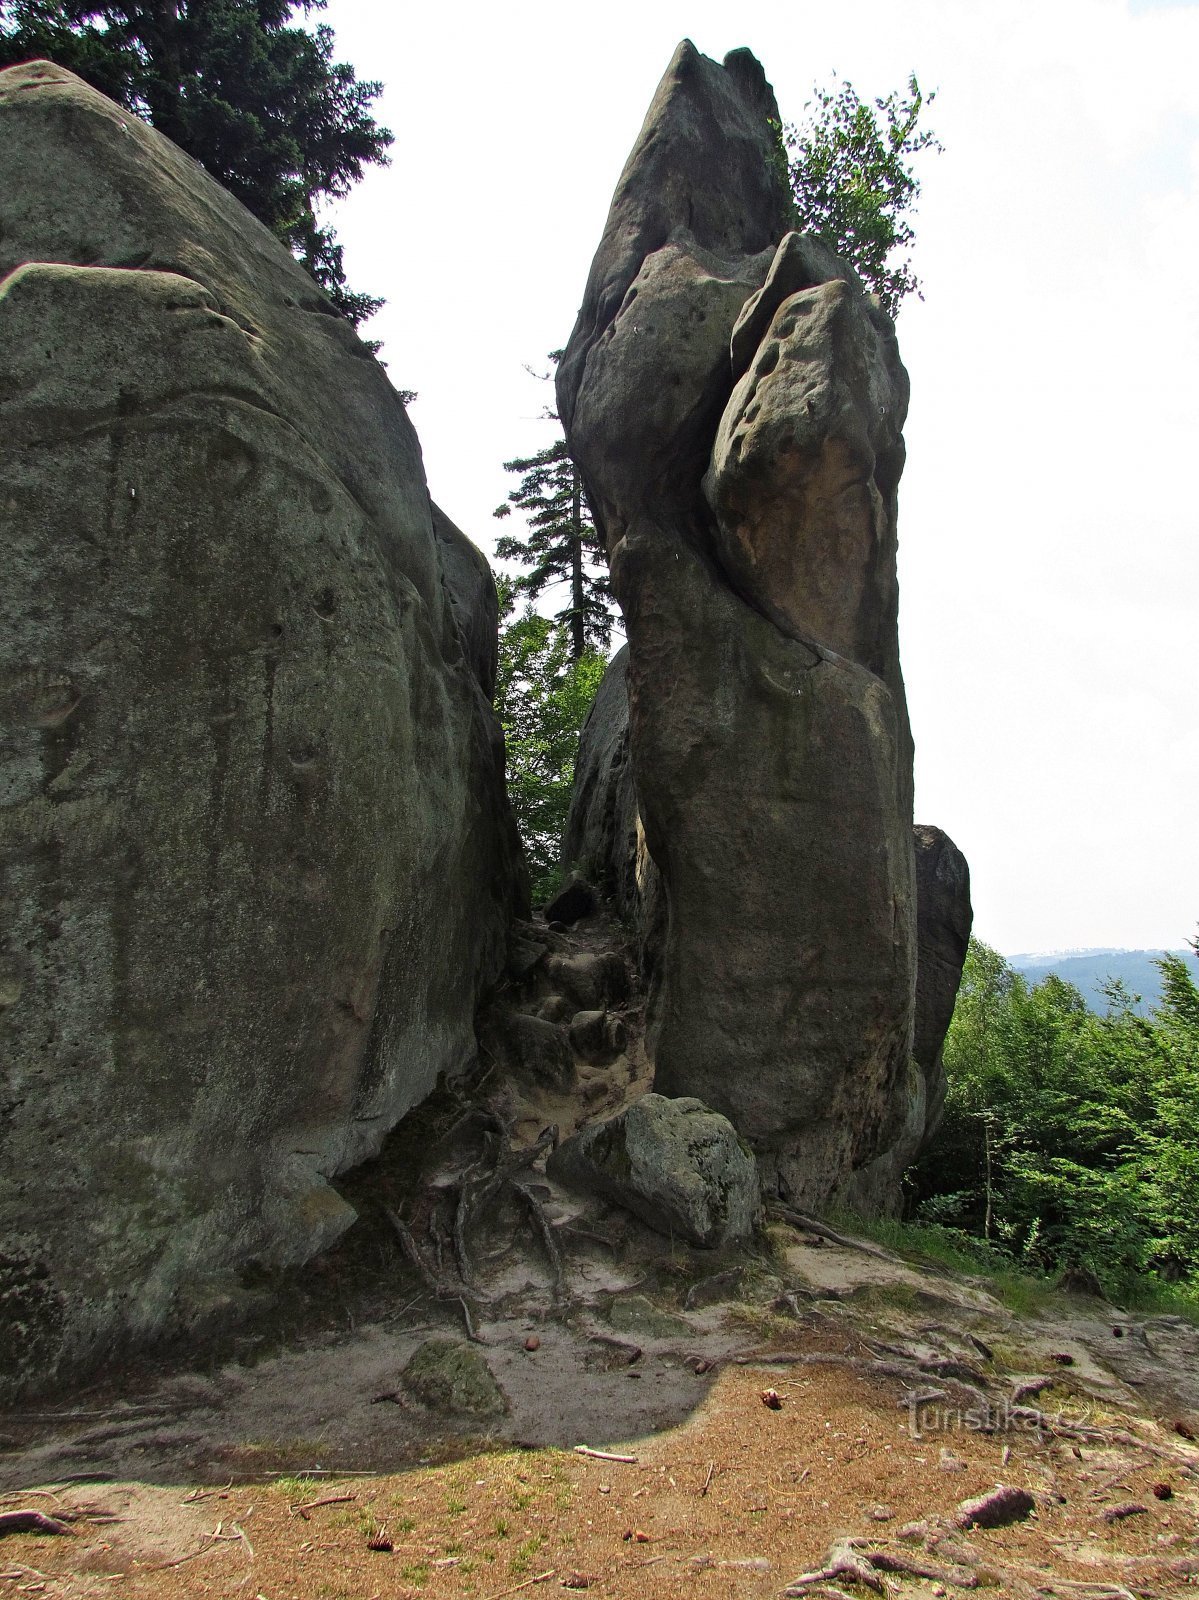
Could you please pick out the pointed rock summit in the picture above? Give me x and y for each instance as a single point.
(735, 401)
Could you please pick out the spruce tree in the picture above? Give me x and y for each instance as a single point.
(260, 104)
(563, 545)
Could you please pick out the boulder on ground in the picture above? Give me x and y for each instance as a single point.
(533, 1048)
(676, 1164)
(594, 978)
(597, 1037)
(256, 860)
(944, 917)
(452, 1376)
(573, 901)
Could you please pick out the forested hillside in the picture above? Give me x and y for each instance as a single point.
(1070, 1140)
(1091, 970)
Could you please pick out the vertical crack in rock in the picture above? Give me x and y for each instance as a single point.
(735, 402)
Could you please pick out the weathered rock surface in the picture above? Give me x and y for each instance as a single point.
(535, 1049)
(604, 835)
(944, 917)
(256, 860)
(943, 920)
(450, 1376)
(734, 401)
(597, 1037)
(593, 978)
(676, 1164)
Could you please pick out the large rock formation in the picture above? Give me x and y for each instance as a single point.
(604, 835)
(944, 917)
(256, 858)
(734, 400)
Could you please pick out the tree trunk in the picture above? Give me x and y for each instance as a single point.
(990, 1192)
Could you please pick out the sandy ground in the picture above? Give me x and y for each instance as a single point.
(737, 1501)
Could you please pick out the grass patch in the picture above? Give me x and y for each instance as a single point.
(1152, 1298)
(524, 1553)
(1020, 1291)
(949, 1248)
(297, 1489)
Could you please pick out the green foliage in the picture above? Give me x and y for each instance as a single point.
(1069, 1139)
(563, 544)
(543, 694)
(261, 105)
(851, 177)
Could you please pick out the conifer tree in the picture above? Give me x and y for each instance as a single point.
(563, 544)
(260, 104)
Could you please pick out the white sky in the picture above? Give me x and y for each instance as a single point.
(1048, 554)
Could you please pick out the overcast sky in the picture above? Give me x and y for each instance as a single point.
(1049, 558)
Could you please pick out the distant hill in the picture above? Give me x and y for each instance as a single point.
(1088, 970)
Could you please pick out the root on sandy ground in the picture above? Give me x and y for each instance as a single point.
(496, 1171)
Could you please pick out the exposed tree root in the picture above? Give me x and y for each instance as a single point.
(497, 1169)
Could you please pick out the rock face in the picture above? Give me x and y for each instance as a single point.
(604, 833)
(944, 918)
(597, 830)
(734, 400)
(255, 858)
(674, 1163)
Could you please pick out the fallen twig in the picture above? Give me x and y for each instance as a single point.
(708, 1479)
(212, 1539)
(328, 1500)
(603, 1455)
(541, 1577)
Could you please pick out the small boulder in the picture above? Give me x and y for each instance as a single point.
(1004, 1504)
(597, 1037)
(676, 1164)
(556, 1008)
(524, 955)
(536, 1049)
(573, 901)
(595, 980)
(636, 1314)
(450, 1375)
